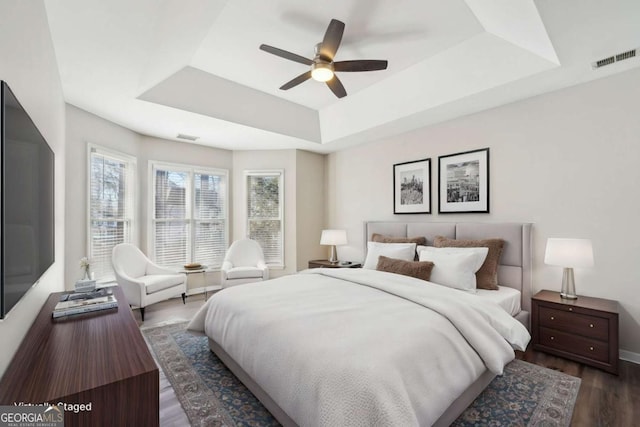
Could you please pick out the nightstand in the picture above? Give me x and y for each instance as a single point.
(584, 329)
(323, 263)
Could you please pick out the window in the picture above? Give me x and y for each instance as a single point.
(111, 206)
(189, 215)
(265, 212)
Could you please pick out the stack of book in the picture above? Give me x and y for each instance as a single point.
(75, 303)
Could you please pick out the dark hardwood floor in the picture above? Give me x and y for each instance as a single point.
(604, 399)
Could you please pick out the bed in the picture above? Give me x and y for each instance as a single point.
(364, 347)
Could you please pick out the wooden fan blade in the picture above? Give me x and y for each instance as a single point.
(295, 82)
(360, 65)
(332, 39)
(285, 54)
(336, 87)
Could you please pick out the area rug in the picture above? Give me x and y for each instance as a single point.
(526, 395)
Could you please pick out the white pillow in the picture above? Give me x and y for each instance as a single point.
(454, 267)
(405, 251)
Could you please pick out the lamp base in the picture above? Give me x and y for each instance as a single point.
(333, 257)
(568, 290)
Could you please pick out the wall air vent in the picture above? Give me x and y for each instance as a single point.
(187, 137)
(614, 58)
(625, 55)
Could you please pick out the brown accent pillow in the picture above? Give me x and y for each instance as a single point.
(487, 276)
(375, 237)
(417, 269)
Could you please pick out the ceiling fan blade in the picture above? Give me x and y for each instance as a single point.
(295, 82)
(285, 54)
(360, 65)
(336, 87)
(332, 39)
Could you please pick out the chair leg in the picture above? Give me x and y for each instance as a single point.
(142, 313)
(184, 298)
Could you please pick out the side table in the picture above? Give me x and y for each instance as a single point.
(583, 329)
(323, 263)
(204, 270)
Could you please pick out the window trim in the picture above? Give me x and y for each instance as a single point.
(131, 196)
(267, 172)
(191, 170)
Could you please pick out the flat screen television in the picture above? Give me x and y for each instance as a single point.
(27, 202)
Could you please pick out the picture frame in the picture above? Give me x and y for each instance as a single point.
(463, 182)
(412, 187)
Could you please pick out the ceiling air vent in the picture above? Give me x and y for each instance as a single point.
(187, 137)
(614, 58)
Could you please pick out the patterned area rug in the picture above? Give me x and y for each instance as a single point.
(526, 395)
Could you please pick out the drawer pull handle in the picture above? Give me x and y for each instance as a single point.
(591, 325)
(552, 338)
(553, 318)
(591, 348)
(570, 309)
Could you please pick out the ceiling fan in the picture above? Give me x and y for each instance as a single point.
(323, 68)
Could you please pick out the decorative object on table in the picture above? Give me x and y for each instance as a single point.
(87, 283)
(463, 182)
(412, 187)
(72, 307)
(74, 296)
(85, 264)
(333, 238)
(193, 266)
(569, 253)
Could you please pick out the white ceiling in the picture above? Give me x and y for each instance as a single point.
(163, 67)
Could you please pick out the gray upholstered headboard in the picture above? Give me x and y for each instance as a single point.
(514, 269)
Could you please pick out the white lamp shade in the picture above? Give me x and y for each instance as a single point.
(333, 237)
(569, 252)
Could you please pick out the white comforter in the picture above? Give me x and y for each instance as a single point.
(360, 347)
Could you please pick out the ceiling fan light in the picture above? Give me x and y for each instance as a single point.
(322, 72)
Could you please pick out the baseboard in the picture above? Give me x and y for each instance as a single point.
(630, 356)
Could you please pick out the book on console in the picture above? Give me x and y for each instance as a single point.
(75, 295)
(68, 308)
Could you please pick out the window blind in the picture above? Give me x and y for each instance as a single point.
(190, 216)
(111, 186)
(264, 213)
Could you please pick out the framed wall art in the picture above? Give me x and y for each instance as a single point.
(412, 187)
(463, 182)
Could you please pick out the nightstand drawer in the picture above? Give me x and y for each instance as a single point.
(588, 326)
(579, 346)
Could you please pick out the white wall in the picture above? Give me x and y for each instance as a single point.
(310, 207)
(188, 154)
(29, 66)
(566, 161)
(84, 128)
(267, 160)
(175, 152)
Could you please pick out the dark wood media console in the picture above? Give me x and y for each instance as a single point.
(99, 359)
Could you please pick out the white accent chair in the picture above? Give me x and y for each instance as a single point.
(243, 263)
(143, 282)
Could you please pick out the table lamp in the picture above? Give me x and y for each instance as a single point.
(333, 238)
(569, 253)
